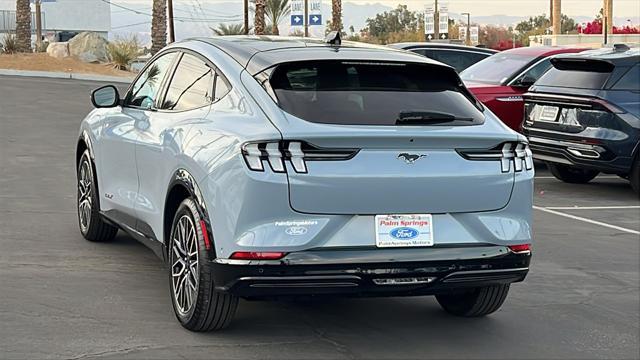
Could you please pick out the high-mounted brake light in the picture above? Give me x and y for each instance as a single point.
(520, 249)
(297, 153)
(517, 153)
(252, 255)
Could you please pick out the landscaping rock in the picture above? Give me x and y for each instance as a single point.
(58, 50)
(89, 47)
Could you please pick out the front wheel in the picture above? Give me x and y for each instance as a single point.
(197, 305)
(570, 174)
(92, 225)
(634, 176)
(476, 302)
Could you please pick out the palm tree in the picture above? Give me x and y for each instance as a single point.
(336, 15)
(23, 26)
(231, 29)
(276, 11)
(258, 23)
(158, 25)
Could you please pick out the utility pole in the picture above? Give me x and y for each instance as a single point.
(172, 30)
(38, 25)
(246, 17)
(306, 18)
(436, 21)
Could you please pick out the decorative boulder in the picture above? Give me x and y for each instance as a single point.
(89, 47)
(58, 50)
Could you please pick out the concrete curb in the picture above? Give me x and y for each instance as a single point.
(63, 75)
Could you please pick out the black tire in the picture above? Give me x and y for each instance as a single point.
(92, 225)
(211, 310)
(634, 176)
(570, 174)
(474, 303)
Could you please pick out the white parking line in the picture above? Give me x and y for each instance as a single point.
(619, 228)
(592, 207)
(599, 177)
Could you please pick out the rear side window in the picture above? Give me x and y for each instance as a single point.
(577, 74)
(460, 60)
(371, 93)
(191, 86)
(630, 80)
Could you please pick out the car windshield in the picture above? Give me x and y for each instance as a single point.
(496, 69)
(373, 93)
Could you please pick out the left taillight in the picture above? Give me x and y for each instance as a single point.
(516, 153)
(278, 153)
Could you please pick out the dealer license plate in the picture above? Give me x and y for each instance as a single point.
(549, 113)
(404, 230)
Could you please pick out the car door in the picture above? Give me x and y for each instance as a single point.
(188, 94)
(119, 183)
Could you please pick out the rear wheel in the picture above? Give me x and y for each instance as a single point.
(92, 225)
(476, 302)
(570, 174)
(634, 177)
(197, 305)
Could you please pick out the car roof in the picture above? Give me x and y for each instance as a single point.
(619, 57)
(434, 45)
(257, 53)
(543, 51)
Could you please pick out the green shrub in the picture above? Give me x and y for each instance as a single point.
(123, 51)
(9, 44)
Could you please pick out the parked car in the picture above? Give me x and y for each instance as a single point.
(500, 80)
(260, 167)
(583, 116)
(458, 56)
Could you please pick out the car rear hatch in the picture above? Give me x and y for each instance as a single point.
(386, 138)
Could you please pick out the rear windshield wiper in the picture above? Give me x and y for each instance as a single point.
(426, 117)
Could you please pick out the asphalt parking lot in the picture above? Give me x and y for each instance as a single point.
(64, 297)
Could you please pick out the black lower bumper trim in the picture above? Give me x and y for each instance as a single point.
(440, 270)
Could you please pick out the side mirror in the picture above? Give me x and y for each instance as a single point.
(525, 81)
(105, 97)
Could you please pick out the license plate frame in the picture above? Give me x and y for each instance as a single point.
(406, 230)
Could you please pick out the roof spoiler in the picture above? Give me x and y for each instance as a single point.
(582, 64)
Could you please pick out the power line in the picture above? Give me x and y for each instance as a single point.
(179, 18)
(130, 25)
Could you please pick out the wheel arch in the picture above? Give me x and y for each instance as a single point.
(182, 186)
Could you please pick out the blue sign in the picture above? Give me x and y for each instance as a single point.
(315, 19)
(404, 233)
(297, 20)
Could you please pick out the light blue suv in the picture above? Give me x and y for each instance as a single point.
(264, 167)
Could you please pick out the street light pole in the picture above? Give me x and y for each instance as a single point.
(468, 35)
(172, 30)
(436, 21)
(246, 17)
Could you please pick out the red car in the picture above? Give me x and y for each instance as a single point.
(500, 80)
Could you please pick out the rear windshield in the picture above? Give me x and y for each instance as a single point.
(372, 93)
(496, 69)
(573, 79)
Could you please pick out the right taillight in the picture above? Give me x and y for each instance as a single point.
(520, 249)
(278, 153)
(516, 153)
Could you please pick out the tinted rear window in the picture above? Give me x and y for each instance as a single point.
(576, 74)
(369, 93)
(497, 68)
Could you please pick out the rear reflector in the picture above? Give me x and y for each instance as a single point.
(250, 255)
(520, 249)
(205, 235)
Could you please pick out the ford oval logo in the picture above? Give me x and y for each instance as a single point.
(404, 233)
(296, 230)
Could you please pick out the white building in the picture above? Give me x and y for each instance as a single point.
(76, 16)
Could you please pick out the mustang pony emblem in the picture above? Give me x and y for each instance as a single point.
(411, 158)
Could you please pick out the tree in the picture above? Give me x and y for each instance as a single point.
(539, 25)
(276, 11)
(231, 29)
(258, 22)
(23, 26)
(159, 25)
(336, 15)
(399, 24)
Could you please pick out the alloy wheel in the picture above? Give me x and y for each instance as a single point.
(84, 195)
(184, 268)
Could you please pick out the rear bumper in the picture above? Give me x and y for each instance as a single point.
(372, 272)
(598, 157)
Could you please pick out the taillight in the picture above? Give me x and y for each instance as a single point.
(252, 255)
(516, 153)
(520, 249)
(278, 153)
